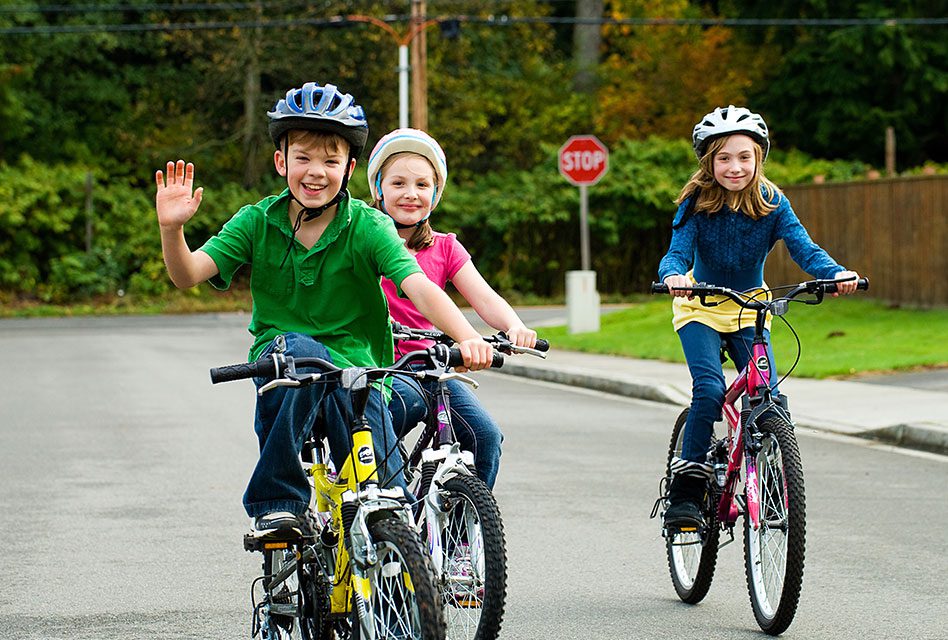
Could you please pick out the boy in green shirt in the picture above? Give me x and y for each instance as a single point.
(316, 257)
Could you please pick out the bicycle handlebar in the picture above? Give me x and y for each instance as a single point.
(701, 290)
(277, 365)
(500, 339)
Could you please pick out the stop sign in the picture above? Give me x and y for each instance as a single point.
(583, 160)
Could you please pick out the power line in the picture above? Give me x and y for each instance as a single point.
(143, 8)
(502, 20)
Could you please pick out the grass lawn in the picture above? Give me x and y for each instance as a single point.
(842, 336)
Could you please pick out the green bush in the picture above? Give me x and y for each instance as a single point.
(522, 227)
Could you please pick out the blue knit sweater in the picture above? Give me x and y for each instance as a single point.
(729, 248)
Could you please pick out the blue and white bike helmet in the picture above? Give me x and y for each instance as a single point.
(724, 121)
(407, 140)
(320, 108)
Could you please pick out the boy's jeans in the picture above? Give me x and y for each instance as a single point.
(475, 429)
(283, 420)
(702, 347)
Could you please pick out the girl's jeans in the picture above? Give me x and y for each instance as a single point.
(702, 347)
(284, 418)
(476, 431)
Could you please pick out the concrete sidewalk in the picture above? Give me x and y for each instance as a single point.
(897, 415)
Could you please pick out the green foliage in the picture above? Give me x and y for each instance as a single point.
(45, 226)
(833, 92)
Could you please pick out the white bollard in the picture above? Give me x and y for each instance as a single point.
(582, 302)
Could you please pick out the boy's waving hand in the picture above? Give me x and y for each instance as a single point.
(174, 200)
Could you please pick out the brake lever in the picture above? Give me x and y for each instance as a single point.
(454, 375)
(292, 380)
(528, 350)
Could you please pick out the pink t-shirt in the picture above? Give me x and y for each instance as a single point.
(440, 262)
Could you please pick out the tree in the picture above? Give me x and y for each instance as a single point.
(659, 79)
(833, 91)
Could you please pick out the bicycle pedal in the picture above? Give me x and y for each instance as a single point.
(270, 540)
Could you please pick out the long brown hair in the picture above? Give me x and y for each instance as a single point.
(753, 200)
(423, 236)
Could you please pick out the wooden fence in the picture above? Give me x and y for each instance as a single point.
(894, 231)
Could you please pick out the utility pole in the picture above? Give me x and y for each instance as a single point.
(251, 141)
(419, 67)
(587, 38)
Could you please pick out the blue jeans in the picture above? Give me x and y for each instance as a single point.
(702, 347)
(284, 419)
(476, 431)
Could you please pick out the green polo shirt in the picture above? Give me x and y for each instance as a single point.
(331, 291)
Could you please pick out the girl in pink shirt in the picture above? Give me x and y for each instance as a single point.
(407, 172)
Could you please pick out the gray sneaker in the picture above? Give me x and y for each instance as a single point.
(276, 521)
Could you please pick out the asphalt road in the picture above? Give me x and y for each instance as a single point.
(122, 469)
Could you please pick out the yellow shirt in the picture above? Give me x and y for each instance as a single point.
(727, 317)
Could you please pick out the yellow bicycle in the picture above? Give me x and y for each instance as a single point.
(356, 568)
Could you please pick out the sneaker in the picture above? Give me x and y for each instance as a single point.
(276, 521)
(685, 498)
(684, 514)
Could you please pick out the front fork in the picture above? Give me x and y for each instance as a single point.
(450, 461)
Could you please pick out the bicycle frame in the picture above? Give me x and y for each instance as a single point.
(740, 422)
(356, 484)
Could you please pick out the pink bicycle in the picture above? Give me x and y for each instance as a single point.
(758, 474)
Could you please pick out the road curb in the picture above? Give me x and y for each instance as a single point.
(922, 436)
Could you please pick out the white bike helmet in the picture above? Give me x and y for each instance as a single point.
(726, 121)
(320, 108)
(407, 140)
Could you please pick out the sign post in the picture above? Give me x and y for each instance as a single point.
(583, 160)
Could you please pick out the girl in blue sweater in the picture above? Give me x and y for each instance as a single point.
(729, 218)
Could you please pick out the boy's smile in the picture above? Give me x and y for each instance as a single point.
(313, 172)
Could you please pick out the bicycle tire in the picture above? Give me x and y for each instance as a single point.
(404, 601)
(775, 590)
(473, 581)
(691, 563)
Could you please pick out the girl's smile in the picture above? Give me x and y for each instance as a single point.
(735, 163)
(408, 188)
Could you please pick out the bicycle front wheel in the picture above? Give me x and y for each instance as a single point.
(774, 553)
(474, 562)
(691, 556)
(399, 599)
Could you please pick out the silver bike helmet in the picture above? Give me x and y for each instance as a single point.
(724, 121)
(320, 108)
(407, 140)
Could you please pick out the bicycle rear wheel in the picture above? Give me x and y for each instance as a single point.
(298, 608)
(473, 577)
(774, 553)
(691, 557)
(399, 600)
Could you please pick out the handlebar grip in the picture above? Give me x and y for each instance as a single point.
(455, 359)
(658, 287)
(244, 371)
(862, 284)
(542, 345)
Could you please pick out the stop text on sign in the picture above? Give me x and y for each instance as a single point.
(583, 160)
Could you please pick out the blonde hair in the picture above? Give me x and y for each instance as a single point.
(753, 200)
(423, 236)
